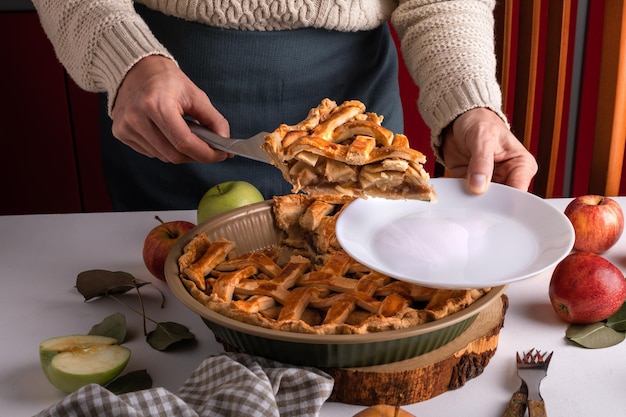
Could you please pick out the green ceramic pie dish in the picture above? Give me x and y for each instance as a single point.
(252, 228)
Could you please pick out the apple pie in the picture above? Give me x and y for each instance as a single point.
(305, 282)
(344, 150)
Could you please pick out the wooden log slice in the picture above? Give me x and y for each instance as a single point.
(426, 376)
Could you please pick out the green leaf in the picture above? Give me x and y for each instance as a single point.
(168, 333)
(130, 382)
(100, 282)
(594, 335)
(618, 320)
(112, 326)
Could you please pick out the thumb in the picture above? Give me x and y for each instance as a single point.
(201, 109)
(480, 166)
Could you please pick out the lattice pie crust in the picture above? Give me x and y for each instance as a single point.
(344, 150)
(306, 282)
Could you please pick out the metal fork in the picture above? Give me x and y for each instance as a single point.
(532, 367)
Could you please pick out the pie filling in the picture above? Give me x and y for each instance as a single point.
(345, 150)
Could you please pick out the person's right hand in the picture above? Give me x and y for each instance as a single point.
(149, 108)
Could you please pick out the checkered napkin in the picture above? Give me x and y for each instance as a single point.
(224, 385)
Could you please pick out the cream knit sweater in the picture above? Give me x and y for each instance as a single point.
(447, 45)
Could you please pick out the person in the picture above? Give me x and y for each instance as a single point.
(241, 67)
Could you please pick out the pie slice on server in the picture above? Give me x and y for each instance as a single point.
(344, 150)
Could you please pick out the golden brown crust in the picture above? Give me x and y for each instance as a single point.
(323, 292)
(215, 253)
(343, 150)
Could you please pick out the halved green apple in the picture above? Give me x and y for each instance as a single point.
(70, 362)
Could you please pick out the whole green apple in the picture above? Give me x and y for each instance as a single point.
(227, 196)
(70, 362)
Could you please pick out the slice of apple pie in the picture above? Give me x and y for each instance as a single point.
(345, 150)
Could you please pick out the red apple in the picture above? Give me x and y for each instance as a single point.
(586, 288)
(158, 243)
(598, 222)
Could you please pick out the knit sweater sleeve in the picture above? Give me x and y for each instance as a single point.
(448, 47)
(97, 41)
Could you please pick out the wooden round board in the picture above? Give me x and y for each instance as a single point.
(425, 376)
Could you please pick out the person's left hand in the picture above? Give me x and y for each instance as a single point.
(479, 147)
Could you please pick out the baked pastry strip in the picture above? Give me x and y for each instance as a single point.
(215, 254)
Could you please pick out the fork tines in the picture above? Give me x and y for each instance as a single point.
(534, 357)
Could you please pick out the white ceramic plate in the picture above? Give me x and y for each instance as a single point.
(461, 241)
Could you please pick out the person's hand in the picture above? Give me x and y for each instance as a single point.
(479, 147)
(148, 109)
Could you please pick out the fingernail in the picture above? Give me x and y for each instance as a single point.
(478, 183)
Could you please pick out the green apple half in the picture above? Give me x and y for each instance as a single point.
(227, 196)
(70, 362)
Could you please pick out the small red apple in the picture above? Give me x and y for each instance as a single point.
(158, 243)
(598, 222)
(586, 288)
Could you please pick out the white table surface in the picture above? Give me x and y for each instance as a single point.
(40, 256)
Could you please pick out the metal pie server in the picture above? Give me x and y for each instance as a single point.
(248, 148)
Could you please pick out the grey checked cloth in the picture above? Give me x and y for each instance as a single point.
(224, 385)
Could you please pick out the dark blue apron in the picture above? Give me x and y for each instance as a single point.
(257, 80)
